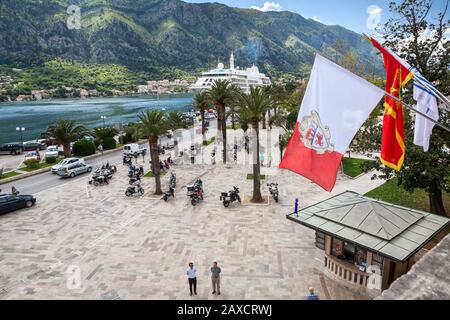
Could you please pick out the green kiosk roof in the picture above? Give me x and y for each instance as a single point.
(390, 230)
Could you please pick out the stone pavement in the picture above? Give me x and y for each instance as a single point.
(86, 242)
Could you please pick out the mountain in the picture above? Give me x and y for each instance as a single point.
(145, 35)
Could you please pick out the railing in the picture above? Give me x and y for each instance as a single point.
(346, 271)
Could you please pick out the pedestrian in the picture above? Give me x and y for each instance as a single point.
(311, 295)
(100, 148)
(215, 278)
(270, 160)
(191, 273)
(14, 191)
(296, 207)
(261, 159)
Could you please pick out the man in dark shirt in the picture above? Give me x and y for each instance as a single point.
(215, 278)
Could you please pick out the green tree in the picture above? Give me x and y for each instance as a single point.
(418, 39)
(201, 103)
(105, 136)
(221, 94)
(153, 124)
(253, 106)
(65, 132)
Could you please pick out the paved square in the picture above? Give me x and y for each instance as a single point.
(86, 242)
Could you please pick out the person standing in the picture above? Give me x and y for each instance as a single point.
(100, 148)
(191, 272)
(312, 295)
(215, 278)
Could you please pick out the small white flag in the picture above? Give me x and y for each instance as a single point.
(427, 104)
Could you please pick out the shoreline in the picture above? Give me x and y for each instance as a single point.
(98, 97)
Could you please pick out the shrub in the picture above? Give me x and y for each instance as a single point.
(109, 143)
(83, 148)
(50, 160)
(32, 164)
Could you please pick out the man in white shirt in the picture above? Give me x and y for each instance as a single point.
(191, 272)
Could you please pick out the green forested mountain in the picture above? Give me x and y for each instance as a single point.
(169, 35)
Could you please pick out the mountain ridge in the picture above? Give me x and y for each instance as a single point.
(144, 34)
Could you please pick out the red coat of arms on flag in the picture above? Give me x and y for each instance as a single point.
(315, 135)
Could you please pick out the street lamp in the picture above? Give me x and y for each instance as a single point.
(21, 130)
(103, 118)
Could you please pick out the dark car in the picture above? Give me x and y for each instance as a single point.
(10, 202)
(11, 148)
(33, 146)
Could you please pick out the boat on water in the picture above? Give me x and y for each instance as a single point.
(243, 79)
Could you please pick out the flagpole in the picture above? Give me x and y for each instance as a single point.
(417, 111)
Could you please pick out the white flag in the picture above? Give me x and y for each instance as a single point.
(427, 104)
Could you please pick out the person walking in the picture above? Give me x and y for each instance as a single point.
(311, 295)
(191, 273)
(100, 148)
(215, 278)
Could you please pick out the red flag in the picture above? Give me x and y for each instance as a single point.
(393, 137)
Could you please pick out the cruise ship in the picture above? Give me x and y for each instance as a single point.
(243, 79)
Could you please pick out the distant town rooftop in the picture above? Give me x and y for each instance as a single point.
(392, 231)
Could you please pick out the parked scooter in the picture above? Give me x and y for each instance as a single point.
(173, 180)
(127, 160)
(100, 177)
(168, 194)
(273, 189)
(111, 168)
(134, 189)
(229, 197)
(195, 192)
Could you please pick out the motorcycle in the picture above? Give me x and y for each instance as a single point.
(134, 189)
(168, 194)
(173, 180)
(273, 189)
(111, 168)
(127, 160)
(100, 177)
(134, 171)
(195, 192)
(229, 197)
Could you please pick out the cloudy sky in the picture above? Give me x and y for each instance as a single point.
(356, 15)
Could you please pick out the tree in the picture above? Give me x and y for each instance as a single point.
(221, 94)
(253, 106)
(201, 103)
(153, 124)
(175, 120)
(65, 132)
(421, 42)
(105, 136)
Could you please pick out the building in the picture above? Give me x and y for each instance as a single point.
(362, 237)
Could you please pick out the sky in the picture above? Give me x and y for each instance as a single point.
(357, 15)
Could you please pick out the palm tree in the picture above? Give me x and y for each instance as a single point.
(104, 133)
(253, 106)
(65, 132)
(153, 124)
(201, 103)
(233, 111)
(175, 120)
(221, 94)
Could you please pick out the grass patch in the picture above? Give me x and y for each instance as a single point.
(151, 175)
(211, 141)
(392, 193)
(9, 175)
(237, 126)
(352, 166)
(250, 176)
(42, 165)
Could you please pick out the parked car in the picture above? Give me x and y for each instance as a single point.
(11, 148)
(33, 155)
(74, 169)
(52, 152)
(10, 203)
(68, 161)
(134, 149)
(33, 146)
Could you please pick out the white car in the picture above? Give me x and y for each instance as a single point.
(33, 155)
(65, 162)
(52, 152)
(134, 150)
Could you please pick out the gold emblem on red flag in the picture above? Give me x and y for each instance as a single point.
(315, 135)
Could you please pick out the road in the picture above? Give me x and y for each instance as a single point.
(47, 180)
